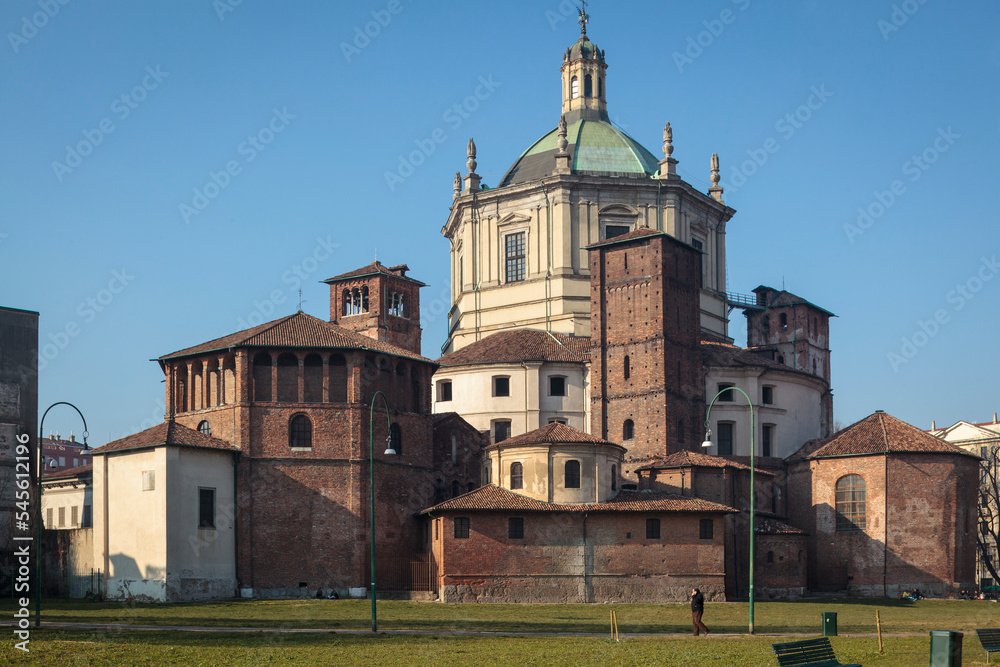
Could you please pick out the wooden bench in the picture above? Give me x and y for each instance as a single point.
(990, 639)
(811, 652)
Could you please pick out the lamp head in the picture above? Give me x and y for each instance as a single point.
(389, 451)
(706, 444)
(708, 437)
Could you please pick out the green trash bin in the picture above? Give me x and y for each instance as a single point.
(946, 648)
(829, 624)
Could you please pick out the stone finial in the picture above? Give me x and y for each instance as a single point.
(471, 162)
(715, 192)
(562, 154)
(668, 165)
(457, 185)
(562, 143)
(668, 140)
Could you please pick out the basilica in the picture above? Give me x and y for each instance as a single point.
(591, 432)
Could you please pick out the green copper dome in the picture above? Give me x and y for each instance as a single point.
(597, 148)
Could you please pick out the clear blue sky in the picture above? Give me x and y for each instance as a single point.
(99, 243)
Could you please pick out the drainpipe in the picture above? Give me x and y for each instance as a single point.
(586, 573)
(526, 426)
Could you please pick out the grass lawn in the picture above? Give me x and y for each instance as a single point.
(56, 646)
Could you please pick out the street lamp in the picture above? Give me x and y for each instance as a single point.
(38, 513)
(389, 451)
(708, 443)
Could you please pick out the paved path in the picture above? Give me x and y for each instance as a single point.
(115, 627)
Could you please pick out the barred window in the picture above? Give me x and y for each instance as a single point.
(461, 528)
(652, 529)
(572, 474)
(300, 432)
(514, 254)
(516, 476)
(850, 499)
(706, 529)
(515, 528)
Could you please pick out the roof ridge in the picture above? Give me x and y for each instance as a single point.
(885, 434)
(553, 337)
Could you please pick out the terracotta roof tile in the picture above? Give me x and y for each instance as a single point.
(554, 433)
(168, 433)
(521, 345)
(725, 355)
(775, 527)
(783, 298)
(376, 268)
(686, 459)
(878, 433)
(298, 330)
(639, 233)
(497, 499)
(70, 472)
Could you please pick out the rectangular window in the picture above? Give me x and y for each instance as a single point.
(727, 392)
(700, 247)
(652, 529)
(501, 385)
(461, 528)
(206, 508)
(148, 480)
(557, 420)
(48, 518)
(767, 441)
(611, 231)
(514, 255)
(74, 516)
(515, 528)
(557, 385)
(444, 390)
(62, 517)
(725, 439)
(501, 430)
(88, 514)
(706, 529)
(767, 396)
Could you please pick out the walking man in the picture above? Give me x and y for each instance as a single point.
(697, 607)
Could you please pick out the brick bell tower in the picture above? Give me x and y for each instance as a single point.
(647, 390)
(379, 302)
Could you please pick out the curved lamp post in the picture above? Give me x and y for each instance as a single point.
(38, 514)
(708, 443)
(389, 451)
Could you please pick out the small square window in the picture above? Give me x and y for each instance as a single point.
(206, 508)
(444, 390)
(652, 529)
(767, 395)
(515, 528)
(706, 529)
(461, 528)
(501, 385)
(557, 385)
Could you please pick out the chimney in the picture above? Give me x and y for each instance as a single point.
(933, 427)
(72, 438)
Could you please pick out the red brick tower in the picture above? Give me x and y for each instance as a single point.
(379, 302)
(648, 392)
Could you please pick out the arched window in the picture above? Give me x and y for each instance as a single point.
(313, 370)
(300, 432)
(850, 500)
(345, 297)
(364, 298)
(396, 439)
(288, 378)
(588, 86)
(766, 321)
(575, 85)
(614, 477)
(628, 367)
(784, 320)
(204, 427)
(572, 476)
(516, 476)
(628, 430)
(262, 377)
(486, 475)
(338, 379)
(600, 87)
